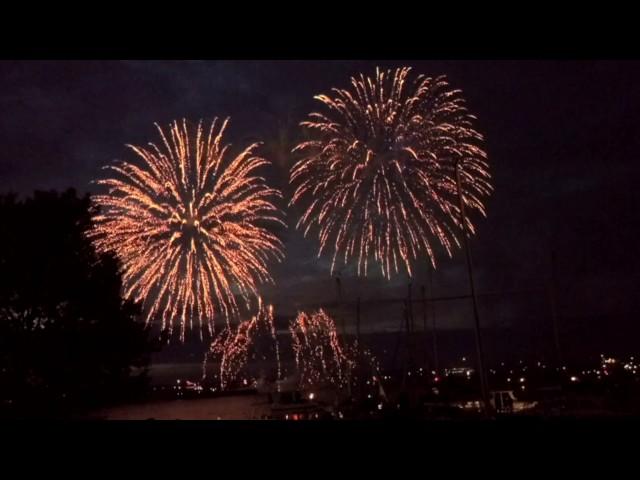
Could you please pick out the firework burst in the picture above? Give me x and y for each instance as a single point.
(378, 176)
(319, 355)
(233, 348)
(188, 225)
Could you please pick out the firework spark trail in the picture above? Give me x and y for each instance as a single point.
(188, 226)
(233, 348)
(319, 356)
(274, 338)
(378, 176)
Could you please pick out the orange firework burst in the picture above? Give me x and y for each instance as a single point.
(233, 348)
(318, 353)
(188, 226)
(378, 177)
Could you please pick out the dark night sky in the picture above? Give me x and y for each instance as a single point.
(563, 139)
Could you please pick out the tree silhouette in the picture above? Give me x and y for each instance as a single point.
(67, 340)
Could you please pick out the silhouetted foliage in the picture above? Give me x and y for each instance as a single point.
(67, 340)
